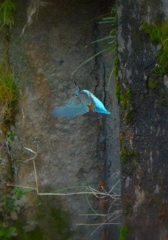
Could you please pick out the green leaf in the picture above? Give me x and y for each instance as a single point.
(103, 39)
(10, 231)
(2, 233)
(109, 18)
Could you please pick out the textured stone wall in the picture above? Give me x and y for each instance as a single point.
(70, 153)
(143, 123)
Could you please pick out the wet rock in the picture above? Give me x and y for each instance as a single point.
(13, 215)
(30, 226)
(20, 202)
(166, 80)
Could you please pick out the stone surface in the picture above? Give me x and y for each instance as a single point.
(71, 154)
(14, 215)
(145, 138)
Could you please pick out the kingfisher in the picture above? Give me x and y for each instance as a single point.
(83, 102)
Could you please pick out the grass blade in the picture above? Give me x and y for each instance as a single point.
(89, 59)
(103, 39)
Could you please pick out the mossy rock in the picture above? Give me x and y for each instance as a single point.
(153, 83)
(158, 33)
(126, 155)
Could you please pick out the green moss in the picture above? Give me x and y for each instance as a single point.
(10, 204)
(8, 92)
(128, 211)
(115, 72)
(5, 232)
(124, 231)
(153, 31)
(10, 136)
(158, 33)
(126, 155)
(129, 117)
(126, 98)
(36, 234)
(54, 221)
(116, 66)
(61, 222)
(147, 28)
(123, 95)
(153, 83)
(48, 220)
(158, 70)
(163, 97)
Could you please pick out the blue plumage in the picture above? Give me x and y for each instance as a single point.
(83, 102)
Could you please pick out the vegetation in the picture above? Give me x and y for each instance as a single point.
(158, 33)
(20, 192)
(130, 116)
(10, 136)
(8, 92)
(123, 95)
(153, 83)
(7, 9)
(8, 89)
(125, 98)
(126, 154)
(10, 204)
(128, 211)
(115, 72)
(6, 233)
(111, 38)
(124, 231)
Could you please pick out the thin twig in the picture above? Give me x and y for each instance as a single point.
(114, 186)
(104, 223)
(94, 224)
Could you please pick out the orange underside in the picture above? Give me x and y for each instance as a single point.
(91, 107)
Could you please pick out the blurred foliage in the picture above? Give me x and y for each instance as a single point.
(6, 232)
(124, 231)
(7, 9)
(8, 92)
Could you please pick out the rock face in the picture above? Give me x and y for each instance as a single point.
(144, 137)
(67, 164)
(70, 155)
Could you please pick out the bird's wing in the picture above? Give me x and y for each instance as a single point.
(73, 107)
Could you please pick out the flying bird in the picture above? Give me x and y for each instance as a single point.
(83, 102)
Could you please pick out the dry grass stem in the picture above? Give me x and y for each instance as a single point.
(89, 190)
(94, 224)
(109, 217)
